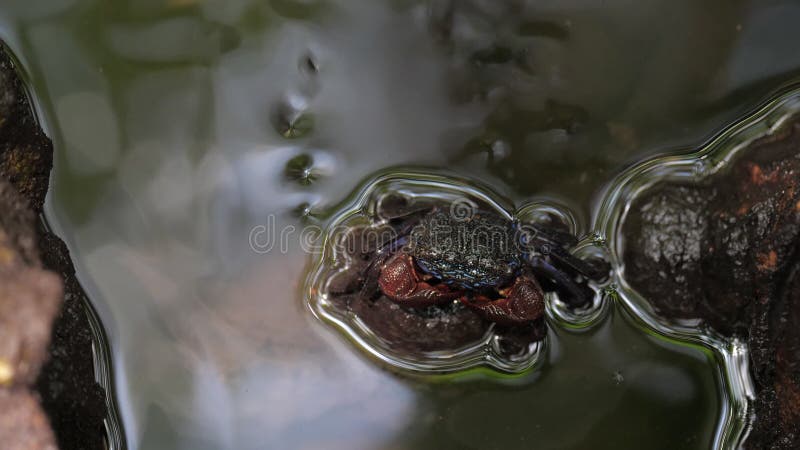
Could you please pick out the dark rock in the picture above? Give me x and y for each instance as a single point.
(26, 154)
(411, 331)
(74, 402)
(30, 298)
(728, 252)
(70, 395)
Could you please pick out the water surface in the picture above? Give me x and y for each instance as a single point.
(180, 125)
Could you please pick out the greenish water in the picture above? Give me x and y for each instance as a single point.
(181, 125)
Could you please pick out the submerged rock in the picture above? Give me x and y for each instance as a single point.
(727, 251)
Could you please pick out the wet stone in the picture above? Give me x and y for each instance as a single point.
(439, 329)
(672, 226)
(23, 425)
(31, 299)
(17, 236)
(25, 152)
(727, 251)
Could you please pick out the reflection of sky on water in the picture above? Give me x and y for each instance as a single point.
(162, 114)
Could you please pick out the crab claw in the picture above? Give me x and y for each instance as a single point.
(402, 283)
(520, 304)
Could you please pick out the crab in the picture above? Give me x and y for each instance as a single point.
(491, 264)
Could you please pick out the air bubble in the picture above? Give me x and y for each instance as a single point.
(301, 169)
(291, 120)
(303, 211)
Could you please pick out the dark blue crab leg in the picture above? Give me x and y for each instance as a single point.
(404, 216)
(568, 260)
(578, 265)
(576, 295)
(556, 237)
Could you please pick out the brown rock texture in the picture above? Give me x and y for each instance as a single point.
(26, 154)
(23, 425)
(728, 251)
(30, 299)
(33, 263)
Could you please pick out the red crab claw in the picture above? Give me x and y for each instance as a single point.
(402, 283)
(520, 304)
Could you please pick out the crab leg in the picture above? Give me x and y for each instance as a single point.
(555, 250)
(576, 295)
(554, 237)
(401, 283)
(520, 304)
(370, 287)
